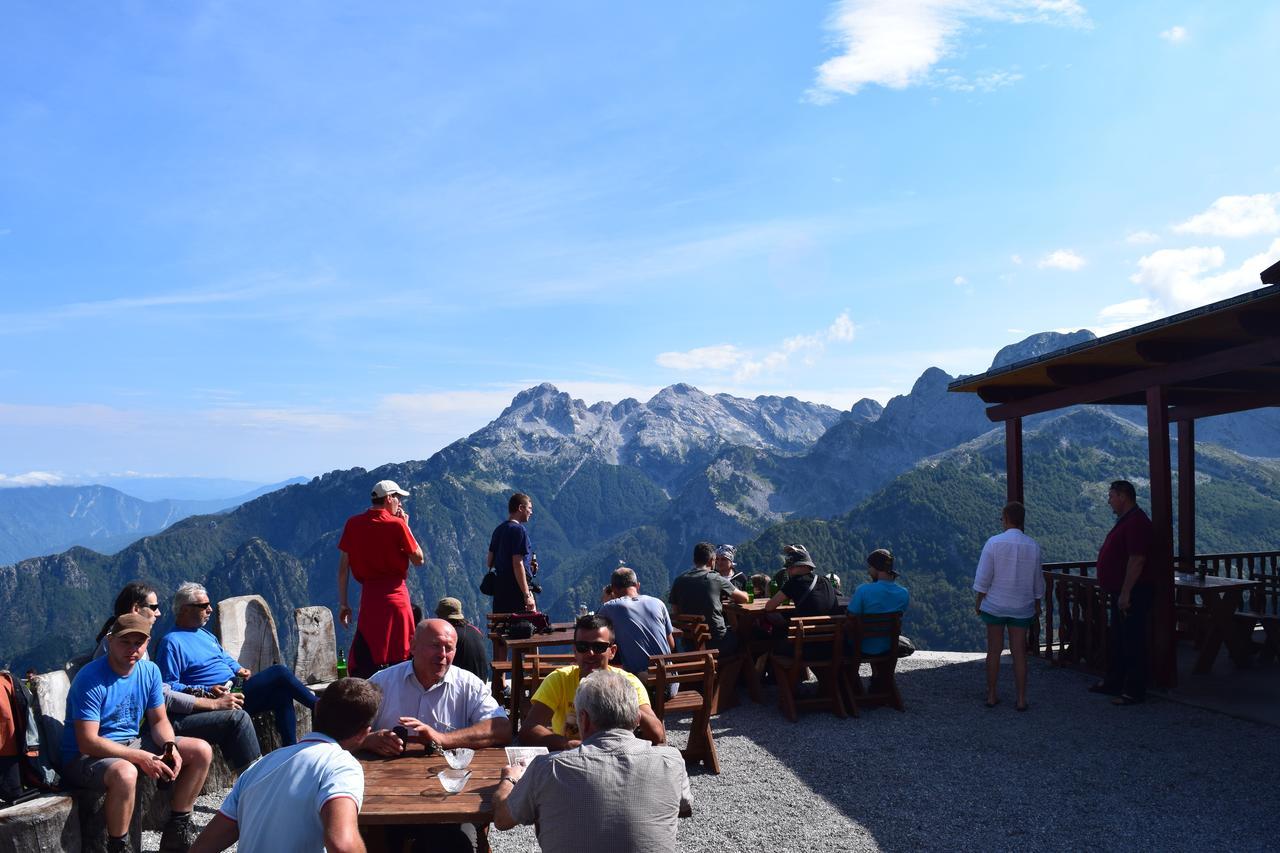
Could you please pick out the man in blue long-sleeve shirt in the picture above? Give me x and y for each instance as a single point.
(190, 657)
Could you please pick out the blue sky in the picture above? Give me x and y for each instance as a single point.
(261, 240)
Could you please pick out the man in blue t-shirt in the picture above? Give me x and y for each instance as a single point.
(882, 595)
(103, 749)
(511, 557)
(641, 624)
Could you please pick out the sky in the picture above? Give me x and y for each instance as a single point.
(258, 240)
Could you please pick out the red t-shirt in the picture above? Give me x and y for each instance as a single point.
(378, 545)
(1130, 537)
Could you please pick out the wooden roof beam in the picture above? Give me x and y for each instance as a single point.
(1010, 393)
(1263, 324)
(1227, 404)
(1164, 352)
(1236, 358)
(1083, 374)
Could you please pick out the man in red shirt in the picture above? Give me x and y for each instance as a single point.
(1123, 571)
(377, 547)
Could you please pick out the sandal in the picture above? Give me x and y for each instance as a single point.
(1122, 700)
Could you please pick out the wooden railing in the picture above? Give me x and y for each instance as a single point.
(1073, 626)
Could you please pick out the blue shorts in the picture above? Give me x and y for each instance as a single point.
(1002, 621)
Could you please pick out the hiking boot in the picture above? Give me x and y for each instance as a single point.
(178, 834)
(119, 845)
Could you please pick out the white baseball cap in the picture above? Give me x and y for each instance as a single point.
(382, 488)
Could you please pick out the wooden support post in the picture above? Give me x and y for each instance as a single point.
(1163, 654)
(1013, 458)
(1187, 495)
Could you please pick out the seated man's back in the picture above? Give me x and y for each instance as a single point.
(641, 624)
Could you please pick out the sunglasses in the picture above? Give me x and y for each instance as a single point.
(200, 605)
(596, 647)
(155, 608)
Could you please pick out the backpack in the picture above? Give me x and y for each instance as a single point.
(25, 769)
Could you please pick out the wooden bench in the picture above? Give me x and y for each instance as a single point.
(1264, 611)
(884, 685)
(816, 643)
(695, 673)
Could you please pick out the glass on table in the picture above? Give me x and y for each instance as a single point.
(453, 779)
(460, 758)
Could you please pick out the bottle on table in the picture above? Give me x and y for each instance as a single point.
(342, 664)
(773, 588)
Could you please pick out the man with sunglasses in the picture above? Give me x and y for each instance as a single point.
(551, 720)
(192, 660)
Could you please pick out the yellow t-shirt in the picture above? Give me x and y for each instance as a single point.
(558, 689)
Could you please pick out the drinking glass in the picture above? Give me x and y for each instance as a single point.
(453, 780)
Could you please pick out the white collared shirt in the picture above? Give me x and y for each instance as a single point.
(1009, 572)
(457, 701)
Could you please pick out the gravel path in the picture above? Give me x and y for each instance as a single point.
(949, 774)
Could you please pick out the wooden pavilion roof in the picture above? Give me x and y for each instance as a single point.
(1220, 358)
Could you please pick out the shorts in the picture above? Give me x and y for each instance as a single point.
(1002, 621)
(84, 771)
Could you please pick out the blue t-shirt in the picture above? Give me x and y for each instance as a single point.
(640, 628)
(192, 657)
(117, 703)
(879, 597)
(510, 539)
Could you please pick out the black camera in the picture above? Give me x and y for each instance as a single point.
(535, 588)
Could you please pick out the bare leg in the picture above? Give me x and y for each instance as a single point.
(197, 755)
(995, 645)
(1018, 645)
(121, 779)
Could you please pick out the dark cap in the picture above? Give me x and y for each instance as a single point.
(131, 623)
(881, 560)
(796, 555)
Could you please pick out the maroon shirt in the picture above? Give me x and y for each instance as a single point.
(1130, 537)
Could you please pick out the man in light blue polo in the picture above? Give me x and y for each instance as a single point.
(883, 594)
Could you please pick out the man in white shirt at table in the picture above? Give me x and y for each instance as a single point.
(614, 791)
(307, 796)
(442, 707)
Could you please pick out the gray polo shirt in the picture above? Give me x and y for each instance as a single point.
(615, 792)
(456, 701)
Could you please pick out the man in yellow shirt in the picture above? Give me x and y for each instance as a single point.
(551, 720)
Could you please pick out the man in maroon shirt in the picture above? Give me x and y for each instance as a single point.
(1123, 572)
(376, 549)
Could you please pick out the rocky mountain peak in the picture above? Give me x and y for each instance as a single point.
(1038, 345)
(866, 410)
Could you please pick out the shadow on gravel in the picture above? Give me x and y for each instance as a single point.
(1072, 772)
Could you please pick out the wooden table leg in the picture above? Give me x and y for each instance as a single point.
(517, 690)
(1221, 609)
(482, 837)
(375, 838)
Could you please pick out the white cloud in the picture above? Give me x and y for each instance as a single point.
(1017, 259)
(1176, 280)
(718, 357)
(745, 364)
(1062, 259)
(1175, 34)
(988, 81)
(896, 44)
(1138, 238)
(960, 281)
(1236, 216)
(31, 478)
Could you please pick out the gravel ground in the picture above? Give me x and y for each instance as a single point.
(950, 774)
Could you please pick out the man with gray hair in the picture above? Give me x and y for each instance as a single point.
(641, 624)
(192, 660)
(613, 792)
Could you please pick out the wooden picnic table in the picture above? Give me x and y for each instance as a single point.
(743, 618)
(1220, 599)
(404, 791)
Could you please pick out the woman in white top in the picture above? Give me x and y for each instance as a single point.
(1010, 584)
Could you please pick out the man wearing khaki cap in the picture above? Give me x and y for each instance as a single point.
(473, 655)
(376, 548)
(102, 748)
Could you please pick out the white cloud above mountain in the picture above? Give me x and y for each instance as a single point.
(897, 44)
(1175, 34)
(1138, 238)
(1236, 216)
(747, 364)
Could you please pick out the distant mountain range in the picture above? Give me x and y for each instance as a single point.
(642, 482)
(36, 520)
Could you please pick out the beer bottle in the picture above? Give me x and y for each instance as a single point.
(170, 762)
(773, 588)
(342, 664)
